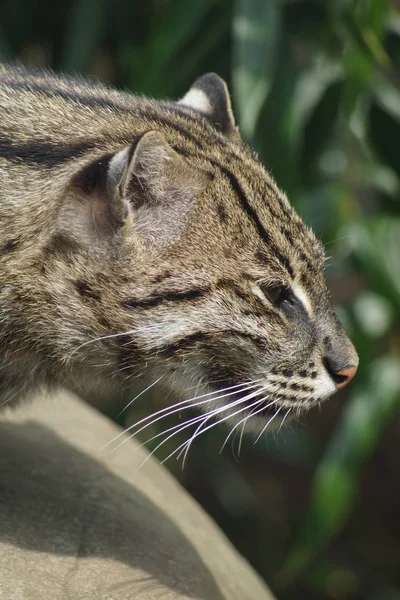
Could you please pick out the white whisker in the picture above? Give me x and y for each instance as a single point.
(197, 432)
(211, 426)
(204, 421)
(244, 421)
(14, 395)
(191, 402)
(108, 337)
(187, 424)
(241, 434)
(140, 394)
(161, 414)
(265, 426)
(194, 420)
(283, 420)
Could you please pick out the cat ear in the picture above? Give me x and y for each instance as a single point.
(147, 186)
(154, 186)
(209, 95)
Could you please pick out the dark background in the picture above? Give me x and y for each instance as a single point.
(316, 89)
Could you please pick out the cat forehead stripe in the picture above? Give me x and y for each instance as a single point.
(284, 261)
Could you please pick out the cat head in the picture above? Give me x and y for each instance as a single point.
(189, 263)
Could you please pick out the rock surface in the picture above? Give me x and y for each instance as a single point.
(78, 522)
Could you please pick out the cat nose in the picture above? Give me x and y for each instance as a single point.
(341, 358)
(342, 376)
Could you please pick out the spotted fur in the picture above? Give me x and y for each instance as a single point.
(141, 236)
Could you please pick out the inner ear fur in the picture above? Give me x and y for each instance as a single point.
(147, 184)
(154, 173)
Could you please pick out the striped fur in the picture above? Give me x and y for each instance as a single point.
(138, 236)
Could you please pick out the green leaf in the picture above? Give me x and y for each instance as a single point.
(173, 28)
(278, 132)
(256, 27)
(203, 51)
(5, 52)
(84, 32)
(376, 245)
(363, 29)
(321, 123)
(384, 132)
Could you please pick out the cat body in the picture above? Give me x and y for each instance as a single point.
(141, 238)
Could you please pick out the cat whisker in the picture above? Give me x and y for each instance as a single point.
(108, 337)
(244, 421)
(189, 423)
(17, 393)
(283, 420)
(140, 394)
(266, 425)
(169, 410)
(198, 418)
(241, 435)
(190, 441)
(196, 433)
(203, 422)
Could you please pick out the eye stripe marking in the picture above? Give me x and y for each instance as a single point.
(300, 294)
(259, 293)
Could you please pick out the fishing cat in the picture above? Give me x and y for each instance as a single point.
(143, 238)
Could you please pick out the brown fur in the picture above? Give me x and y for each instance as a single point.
(133, 236)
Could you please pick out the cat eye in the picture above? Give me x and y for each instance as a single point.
(275, 294)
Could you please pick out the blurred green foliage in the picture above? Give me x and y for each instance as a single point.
(316, 89)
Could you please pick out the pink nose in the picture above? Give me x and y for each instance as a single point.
(344, 376)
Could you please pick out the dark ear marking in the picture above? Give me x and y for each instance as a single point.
(92, 176)
(209, 95)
